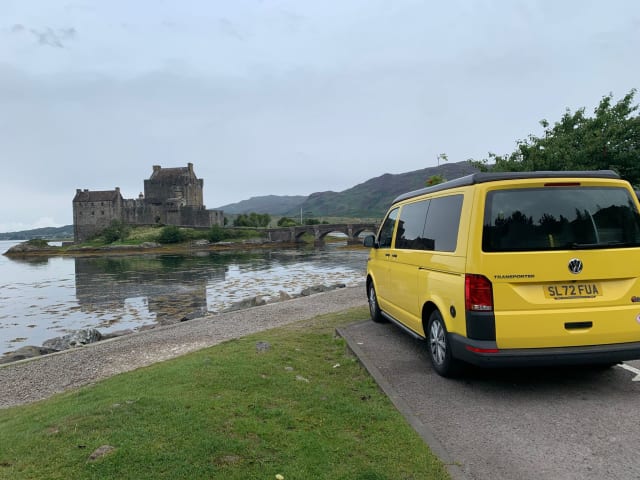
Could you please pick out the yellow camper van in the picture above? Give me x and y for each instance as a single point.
(512, 269)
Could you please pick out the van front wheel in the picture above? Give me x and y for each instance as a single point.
(374, 309)
(439, 347)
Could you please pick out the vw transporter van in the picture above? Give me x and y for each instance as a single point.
(512, 269)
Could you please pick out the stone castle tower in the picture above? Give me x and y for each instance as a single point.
(172, 196)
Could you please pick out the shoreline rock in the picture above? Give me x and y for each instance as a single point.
(81, 337)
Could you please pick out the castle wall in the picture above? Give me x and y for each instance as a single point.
(91, 217)
(172, 197)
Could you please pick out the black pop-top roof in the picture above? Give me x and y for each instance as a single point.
(484, 177)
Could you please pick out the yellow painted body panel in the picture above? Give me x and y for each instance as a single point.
(525, 316)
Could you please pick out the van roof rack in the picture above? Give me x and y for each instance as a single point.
(483, 177)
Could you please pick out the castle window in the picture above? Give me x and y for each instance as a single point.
(93, 213)
(102, 212)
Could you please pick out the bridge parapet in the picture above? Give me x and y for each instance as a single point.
(319, 232)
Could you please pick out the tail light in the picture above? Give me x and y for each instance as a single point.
(478, 293)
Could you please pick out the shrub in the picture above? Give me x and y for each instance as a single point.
(38, 242)
(114, 232)
(287, 222)
(216, 234)
(171, 234)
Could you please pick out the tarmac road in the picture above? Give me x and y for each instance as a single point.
(552, 423)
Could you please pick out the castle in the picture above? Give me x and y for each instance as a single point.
(172, 196)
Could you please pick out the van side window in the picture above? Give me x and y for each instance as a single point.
(386, 231)
(411, 227)
(443, 221)
(430, 224)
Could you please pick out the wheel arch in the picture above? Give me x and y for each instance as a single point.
(431, 306)
(427, 309)
(368, 282)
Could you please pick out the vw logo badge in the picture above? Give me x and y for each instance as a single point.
(575, 265)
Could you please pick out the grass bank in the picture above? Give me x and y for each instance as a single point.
(302, 408)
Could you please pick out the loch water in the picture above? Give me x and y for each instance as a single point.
(42, 298)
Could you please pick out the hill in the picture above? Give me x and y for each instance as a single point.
(366, 200)
(271, 204)
(372, 198)
(48, 233)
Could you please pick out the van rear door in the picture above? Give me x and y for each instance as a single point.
(563, 260)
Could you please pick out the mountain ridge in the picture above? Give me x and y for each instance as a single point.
(368, 199)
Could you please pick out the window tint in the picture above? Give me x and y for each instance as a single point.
(558, 218)
(386, 231)
(430, 224)
(443, 221)
(411, 226)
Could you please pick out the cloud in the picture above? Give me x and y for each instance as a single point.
(47, 36)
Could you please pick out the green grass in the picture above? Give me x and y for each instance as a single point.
(304, 409)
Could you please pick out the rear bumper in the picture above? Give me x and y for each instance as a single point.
(518, 357)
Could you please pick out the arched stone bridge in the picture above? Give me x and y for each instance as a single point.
(293, 234)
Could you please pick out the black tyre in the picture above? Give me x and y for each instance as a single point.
(374, 309)
(439, 347)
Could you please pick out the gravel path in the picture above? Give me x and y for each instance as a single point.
(35, 379)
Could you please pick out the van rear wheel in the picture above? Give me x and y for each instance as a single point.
(440, 348)
(374, 309)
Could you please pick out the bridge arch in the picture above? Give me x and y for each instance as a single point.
(320, 231)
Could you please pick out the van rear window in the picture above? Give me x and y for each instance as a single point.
(560, 218)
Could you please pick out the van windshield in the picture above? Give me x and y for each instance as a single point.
(560, 218)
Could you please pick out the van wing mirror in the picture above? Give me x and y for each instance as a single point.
(370, 241)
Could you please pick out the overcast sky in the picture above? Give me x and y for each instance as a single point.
(285, 97)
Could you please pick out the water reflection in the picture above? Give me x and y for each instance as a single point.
(45, 298)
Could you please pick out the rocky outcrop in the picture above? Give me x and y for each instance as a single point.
(75, 339)
(28, 247)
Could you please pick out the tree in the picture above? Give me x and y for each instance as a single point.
(435, 180)
(252, 220)
(608, 140)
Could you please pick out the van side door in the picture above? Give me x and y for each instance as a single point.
(406, 258)
(380, 258)
(424, 266)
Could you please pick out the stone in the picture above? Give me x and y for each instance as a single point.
(117, 333)
(202, 312)
(28, 351)
(262, 347)
(320, 289)
(75, 339)
(284, 296)
(256, 301)
(101, 452)
(313, 290)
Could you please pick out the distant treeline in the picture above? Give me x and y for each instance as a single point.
(48, 233)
